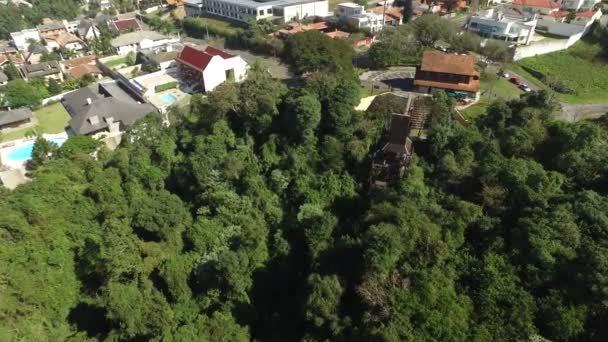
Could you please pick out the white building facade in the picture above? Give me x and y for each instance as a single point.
(515, 29)
(247, 10)
(20, 39)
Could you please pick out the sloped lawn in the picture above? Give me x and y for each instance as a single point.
(581, 68)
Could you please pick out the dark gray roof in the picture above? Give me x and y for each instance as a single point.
(40, 69)
(15, 115)
(107, 101)
(54, 25)
(3, 77)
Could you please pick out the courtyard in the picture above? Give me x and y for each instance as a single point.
(162, 88)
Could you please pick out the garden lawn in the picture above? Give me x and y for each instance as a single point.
(116, 62)
(582, 68)
(492, 88)
(498, 87)
(475, 110)
(51, 119)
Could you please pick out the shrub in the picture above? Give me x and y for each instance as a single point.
(165, 86)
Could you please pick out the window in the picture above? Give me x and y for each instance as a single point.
(269, 11)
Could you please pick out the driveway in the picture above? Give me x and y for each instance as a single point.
(401, 78)
(524, 80)
(570, 112)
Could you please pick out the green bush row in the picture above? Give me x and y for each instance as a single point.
(165, 86)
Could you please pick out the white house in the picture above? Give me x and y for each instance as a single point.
(64, 40)
(211, 67)
(346, 10)
(20, 39)
(87, 30)
(135, 41)
(356, 16)
(513, 27)
(246, 10)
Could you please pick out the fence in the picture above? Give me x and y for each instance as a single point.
(543, 47)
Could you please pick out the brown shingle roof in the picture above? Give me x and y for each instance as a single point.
(64, 38)
(436, 61)
(84, 69)
(79, 61)
(472, 86)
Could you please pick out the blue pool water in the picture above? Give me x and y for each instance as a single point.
(24, 152)
(168, 98)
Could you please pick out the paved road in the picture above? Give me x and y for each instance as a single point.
(571, 112)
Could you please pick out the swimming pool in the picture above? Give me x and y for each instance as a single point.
(24, 152)
(168, 98)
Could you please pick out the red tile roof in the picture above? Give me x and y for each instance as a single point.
(217, 52)
(79, 61)
(126, 24)
(17, 59)
(195, 58)
(338, 34)
(559, 14)
(436, 61)
(586, 14)
(537, 3)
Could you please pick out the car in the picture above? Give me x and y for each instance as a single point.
(515, 81)
(525, 88)
(504, 74)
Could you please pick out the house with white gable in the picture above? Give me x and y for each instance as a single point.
(210, 67)
(138, 40)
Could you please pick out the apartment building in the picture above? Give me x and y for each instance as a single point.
(246, 10)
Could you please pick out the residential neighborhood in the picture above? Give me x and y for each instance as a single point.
(303, 170)
(161, 67)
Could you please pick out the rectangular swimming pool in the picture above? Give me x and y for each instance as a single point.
(168, 98)
(24, 152)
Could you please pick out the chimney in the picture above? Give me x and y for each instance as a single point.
(89, 101)
(94, 120)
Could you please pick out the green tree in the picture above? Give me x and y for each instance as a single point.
(19, 93)
(11, 71)
(54, 87)
(429, 28)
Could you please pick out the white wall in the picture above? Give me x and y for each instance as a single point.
(317, 8)
(543, 47)
(214, 73)
(239, 66)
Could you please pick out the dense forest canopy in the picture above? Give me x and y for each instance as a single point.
(250, 217)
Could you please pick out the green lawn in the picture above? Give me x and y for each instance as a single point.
(116, 62)
(581, 68)
(492, 88)
(51, 119)
(498, 87)
(475, 110)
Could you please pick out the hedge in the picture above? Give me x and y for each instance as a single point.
(165, 86)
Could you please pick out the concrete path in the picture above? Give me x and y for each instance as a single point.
(570, 112)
